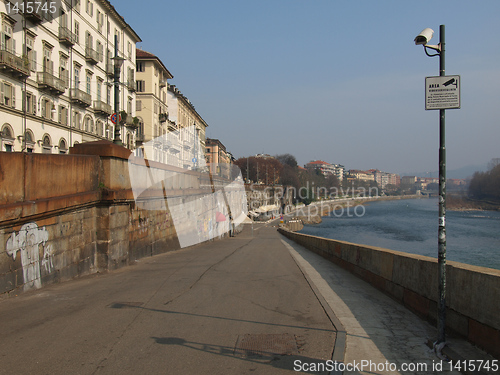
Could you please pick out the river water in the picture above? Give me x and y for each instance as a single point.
(411, 225)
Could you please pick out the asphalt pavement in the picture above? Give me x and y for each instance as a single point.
(233, 306)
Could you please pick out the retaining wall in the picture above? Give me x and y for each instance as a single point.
(472, 293)
(63, 216)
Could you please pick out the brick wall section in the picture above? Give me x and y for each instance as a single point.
(63, 216)
(473, 293)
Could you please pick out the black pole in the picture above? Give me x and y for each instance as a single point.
(116, 82)
(442, 205)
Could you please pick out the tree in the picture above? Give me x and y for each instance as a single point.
(486, 185)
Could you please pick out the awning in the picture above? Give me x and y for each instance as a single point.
(271, 207)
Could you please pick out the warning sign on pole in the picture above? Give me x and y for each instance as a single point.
(442, 92)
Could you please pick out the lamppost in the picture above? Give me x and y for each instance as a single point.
(118, 61)
(422, 39)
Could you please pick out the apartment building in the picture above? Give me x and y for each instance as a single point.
(152, 109)
(187, 131)
(56, 75)
(218, 158)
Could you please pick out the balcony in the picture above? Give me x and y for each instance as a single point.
(163, 117)
(50, 83)
(66, 36)
(139, 137)
(102, 108)
(14, 65)
(33, 16)
(131, 84)
(91, 55)
(163, 82)
(172, 126)
(81, 98)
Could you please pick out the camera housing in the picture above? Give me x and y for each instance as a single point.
(424, 37)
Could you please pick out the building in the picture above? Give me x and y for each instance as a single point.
(361, 175)
(152, 108)
(323, 167)
(188, 130)
(217, 157)
(56, 76)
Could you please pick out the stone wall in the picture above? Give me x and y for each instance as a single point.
(472, 293)
(63, 216)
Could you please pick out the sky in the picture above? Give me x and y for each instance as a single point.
(339, 81)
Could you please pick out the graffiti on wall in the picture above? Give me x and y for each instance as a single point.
(31, 241)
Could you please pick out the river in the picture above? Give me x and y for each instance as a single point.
(410, 225)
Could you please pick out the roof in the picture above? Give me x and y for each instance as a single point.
(144, 55)
(318, 162)
(122, 20)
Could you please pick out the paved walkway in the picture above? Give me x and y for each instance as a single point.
(381, 334)
(223, 307)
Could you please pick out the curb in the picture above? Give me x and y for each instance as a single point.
(339, 347)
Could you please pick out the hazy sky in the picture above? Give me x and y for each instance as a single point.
(340, 81)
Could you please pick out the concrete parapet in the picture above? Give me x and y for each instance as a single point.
(473, 293)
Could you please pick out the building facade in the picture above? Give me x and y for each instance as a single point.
(188, 131)
(218, 158)
(152, 108)
(56, 76)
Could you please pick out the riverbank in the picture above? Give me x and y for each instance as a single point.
(460, 203)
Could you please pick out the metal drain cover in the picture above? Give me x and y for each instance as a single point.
(266, 345)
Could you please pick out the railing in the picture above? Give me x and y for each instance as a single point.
(91, 55)
(66, 36)
(15, 63)
(51, 82)
(100, 106)
(81, 97)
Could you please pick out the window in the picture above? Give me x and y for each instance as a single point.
(141, 86)
(63, 70)
(77, 77)
(8, 43)
(89, 83)
(31, 53)
(77, 120)
(46, 145)
(108, 95)
(141, 66)
(63, 149)
(7, 95)
(89, 8)
(48, 64)
(100, 21)
(100, 50)
(48, 109)
(99, 89)
(138, 105)
(63, 115)
(30, 103)
(99, 128)
(129, 49)
(77, 32)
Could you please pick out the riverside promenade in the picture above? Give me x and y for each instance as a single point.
(252, 304)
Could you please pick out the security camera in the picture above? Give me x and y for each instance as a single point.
(424, 37)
